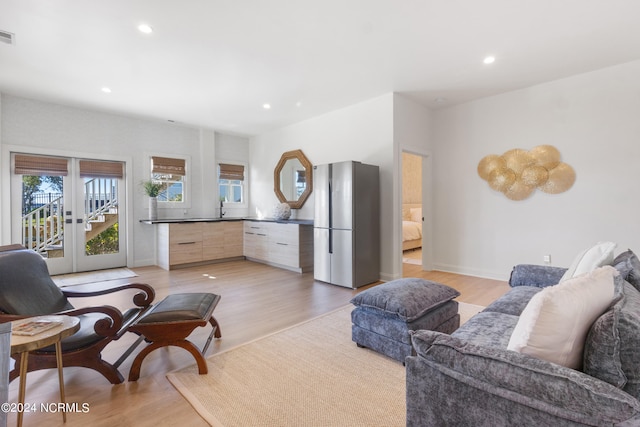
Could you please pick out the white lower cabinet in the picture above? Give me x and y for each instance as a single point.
(285, 245)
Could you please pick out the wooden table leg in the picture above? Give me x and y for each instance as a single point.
(61, 379)
(24, 360)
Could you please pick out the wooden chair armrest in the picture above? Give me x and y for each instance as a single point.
(5, 318)
(109, 325)
(141, 299)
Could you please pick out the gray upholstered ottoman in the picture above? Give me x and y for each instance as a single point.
(385, 314)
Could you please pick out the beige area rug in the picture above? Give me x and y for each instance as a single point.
(467, 311)
(63, 280)
(311, 374)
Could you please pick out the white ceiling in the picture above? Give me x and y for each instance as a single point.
(214, 63)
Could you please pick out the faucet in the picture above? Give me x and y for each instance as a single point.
(221, 206)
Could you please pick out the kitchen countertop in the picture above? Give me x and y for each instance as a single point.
(186, 220)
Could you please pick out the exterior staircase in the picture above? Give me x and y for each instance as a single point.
(100, 223)
(43, 228)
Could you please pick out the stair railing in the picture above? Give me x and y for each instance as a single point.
(44, 227)
(100, 197)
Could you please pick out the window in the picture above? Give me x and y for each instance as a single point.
(170, 173)
(231, 183)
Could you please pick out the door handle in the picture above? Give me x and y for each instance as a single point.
(79, 220)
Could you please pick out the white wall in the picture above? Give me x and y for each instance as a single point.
(36, 126)
(593, 119)
(231, 148)
(362, 132)
(412, 133)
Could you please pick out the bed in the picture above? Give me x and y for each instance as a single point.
(411, 226)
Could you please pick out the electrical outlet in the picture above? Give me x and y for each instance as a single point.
(547, 259)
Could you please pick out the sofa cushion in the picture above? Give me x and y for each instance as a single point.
(628, 264)
(514, 301)
(591, 258)
(555, 323)
(540, 276)
(612, 349)
(527, 380)
(406, 299)
(489, 329)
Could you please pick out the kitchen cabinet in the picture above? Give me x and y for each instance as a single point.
(188, 243)
(184, 243)
(281, 244)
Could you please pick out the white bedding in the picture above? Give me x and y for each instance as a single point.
(411, 230)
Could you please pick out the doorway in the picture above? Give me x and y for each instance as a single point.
(412, 209)
(69, 210)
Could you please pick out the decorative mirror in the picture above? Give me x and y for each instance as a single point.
(293, 179)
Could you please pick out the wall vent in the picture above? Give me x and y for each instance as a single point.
(7, 37)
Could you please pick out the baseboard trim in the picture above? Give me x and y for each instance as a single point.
(485, 274)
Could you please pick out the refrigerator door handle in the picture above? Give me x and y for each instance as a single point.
(330, 196)
(331, 240)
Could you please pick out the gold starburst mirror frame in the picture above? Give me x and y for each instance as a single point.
(517, 173)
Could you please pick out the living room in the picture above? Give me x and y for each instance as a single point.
(584, 101)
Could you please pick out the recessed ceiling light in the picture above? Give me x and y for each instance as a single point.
(145, 28)
(299, 104)
(106, 89)
(489, 60)
(266, 106)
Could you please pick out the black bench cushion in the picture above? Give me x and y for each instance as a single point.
(175, 307)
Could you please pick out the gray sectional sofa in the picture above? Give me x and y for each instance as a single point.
(469, 378)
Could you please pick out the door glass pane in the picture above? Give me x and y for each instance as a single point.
(101, 216)
(42, 214)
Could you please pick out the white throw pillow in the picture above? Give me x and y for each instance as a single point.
(591, 258)
(416, 214)
(554, 324)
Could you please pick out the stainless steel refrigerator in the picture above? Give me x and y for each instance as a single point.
(346, 224)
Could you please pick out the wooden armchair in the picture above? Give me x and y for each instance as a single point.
(26, 289)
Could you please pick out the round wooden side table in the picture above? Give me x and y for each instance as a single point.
(23, 344)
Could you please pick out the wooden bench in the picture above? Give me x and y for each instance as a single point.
(170, 322)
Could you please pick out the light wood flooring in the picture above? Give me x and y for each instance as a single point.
(256, 300)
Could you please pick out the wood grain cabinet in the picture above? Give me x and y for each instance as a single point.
(285, 245)
(188, 243)
(221, 240)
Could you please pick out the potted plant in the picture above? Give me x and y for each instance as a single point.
(152, 189)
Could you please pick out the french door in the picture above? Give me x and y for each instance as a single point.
(69, 210)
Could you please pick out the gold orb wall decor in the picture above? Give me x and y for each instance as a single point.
(517, 173)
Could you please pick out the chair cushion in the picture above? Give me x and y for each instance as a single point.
(86, 335)
(406, 299)
(26, 287)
